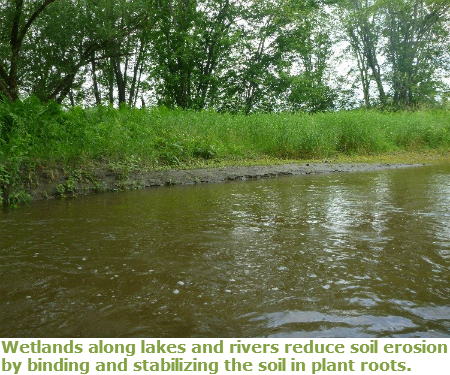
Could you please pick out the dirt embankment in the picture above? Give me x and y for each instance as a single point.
(100, 180)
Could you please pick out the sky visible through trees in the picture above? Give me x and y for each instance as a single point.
(227, 55)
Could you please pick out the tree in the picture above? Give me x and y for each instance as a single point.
(311, 47)
(17, 19)
(44, 44)
(416, 34)
(276, 38)
(411, 36)
(191, 43)
(362, 24)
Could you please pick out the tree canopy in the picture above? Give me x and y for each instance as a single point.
(230, 55)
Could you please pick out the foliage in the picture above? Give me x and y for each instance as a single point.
(231, 55)
(35, 137)
(45, 44)
(265, 66)
(411, 36)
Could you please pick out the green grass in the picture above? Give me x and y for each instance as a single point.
(35, 136)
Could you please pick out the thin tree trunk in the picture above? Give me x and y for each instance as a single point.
(111, 81)
(98, 99)
(71, 98)
(119, 80)
(137, 69)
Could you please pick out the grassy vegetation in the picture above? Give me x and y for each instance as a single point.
(36, 138)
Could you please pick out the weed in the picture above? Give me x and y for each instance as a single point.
(12, 192)
(71, 185)
(33, 135)
(205, 152)
(124, 167)
(60, 190)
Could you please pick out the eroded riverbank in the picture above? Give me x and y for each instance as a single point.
(83, 182)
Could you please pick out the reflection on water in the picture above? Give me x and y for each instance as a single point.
(340, 255)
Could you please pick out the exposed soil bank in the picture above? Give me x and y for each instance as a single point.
(99, 180)
(181, 177)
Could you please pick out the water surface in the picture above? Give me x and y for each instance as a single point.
(338, 255)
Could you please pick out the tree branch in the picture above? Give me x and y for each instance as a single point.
(33, 17)
(3, 73)
(6, 92)
(60, 92)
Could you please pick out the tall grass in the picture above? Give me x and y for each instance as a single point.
(34, 134)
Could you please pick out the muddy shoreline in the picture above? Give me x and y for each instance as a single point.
(99, 180)
(214, 175)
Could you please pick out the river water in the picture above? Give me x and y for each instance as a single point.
(338, 255)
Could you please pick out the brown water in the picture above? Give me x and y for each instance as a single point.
(339, 255)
